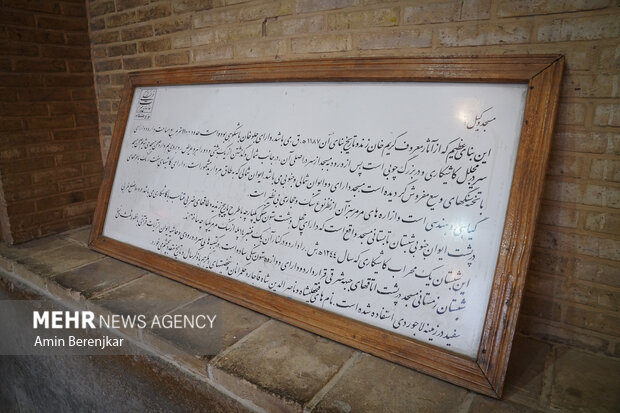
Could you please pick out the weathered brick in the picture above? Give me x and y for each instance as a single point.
(55, 122)
(551, 263)
(128, 4)
(156, 45)
(153, 12)
(560, 217)
(599, 195)
(266, 9)
(138, 62)
(509, 8)
(582, 28)
(590, 85)
(108, 65)
(215, 17)
(105, 37)
(23, 109)
(590, 320)
(240, 32)
(260, 48)
(321, 44)
(609, 58)
(101, 8)
(589, 270)
(172, 25)
(138, 32)
(363, 18)
(306, 6)
(447, 11)
(593, 296)
(580, 141)
(541, 308)
(295, 25)
(605, 169)
(122, 49)
(484, 34)
(571, 114)
(607, 114)
(121, 19)
(64, 52)
(213, 52)
(172, 59)
(565, 164)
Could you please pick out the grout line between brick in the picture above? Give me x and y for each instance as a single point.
(355, 357)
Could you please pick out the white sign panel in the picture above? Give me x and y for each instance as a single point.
(382, 202)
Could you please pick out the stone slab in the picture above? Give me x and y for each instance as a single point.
(289, 363)
(57, 260)
(80, 235)
(150, 295)
(21, 251)
(376, 385)
(234, 323)
(98, 277)
(482, 404)
(585, 382)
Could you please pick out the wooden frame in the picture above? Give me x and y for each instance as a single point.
(486, 373)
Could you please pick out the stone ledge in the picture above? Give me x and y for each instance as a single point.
(267, 365)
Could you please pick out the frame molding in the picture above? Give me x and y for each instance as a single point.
(487, 372)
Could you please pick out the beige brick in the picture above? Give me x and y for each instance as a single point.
(121, 19)
(597, 272)
(101, 8)
(181, 41)
(105, 37)
(212, 53)
(296, 25)
(605, 169)
(108, 65)
(508, 8)
(305, 6)
(181, 6)
(572, 336)
(560, 217)
(138, 62)
(571, 114)
(568, 242)
(551, 263)
(593, 296)
(239, 32)
(122, 49)
(172, 59)
(610, 249)
(558, 190)
(484, 34)
(604, 196)
(593, 320)
(609, 58)
(321, 44)
(202, 37)
(400, 39)
(137, 32)
(156, 45)
(215, 17)
(260, 48)
(605, 222)
(607, 114)
(172, 25)
(590, 85)
(363, 18)
(446, 11)
(565, 164)
(129, 4)
(266, 9)
(153, 12)
(581, 28)
(567, 139)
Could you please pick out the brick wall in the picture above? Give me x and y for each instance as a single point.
(50, 163)
(573, 289)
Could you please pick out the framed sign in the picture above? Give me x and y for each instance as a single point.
(388, 204)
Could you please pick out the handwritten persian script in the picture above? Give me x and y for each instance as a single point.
(382, 202)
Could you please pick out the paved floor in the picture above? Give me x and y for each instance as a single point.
(267, 365)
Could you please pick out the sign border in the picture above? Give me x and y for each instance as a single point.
(487, 372)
